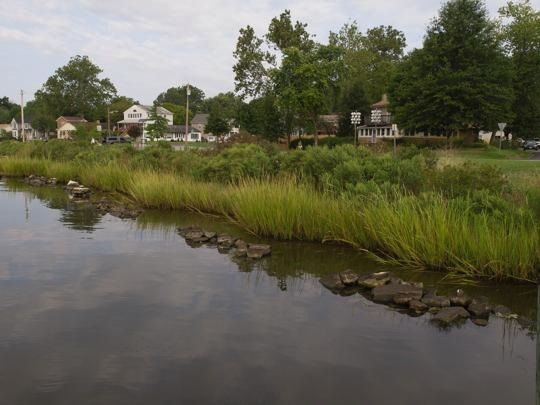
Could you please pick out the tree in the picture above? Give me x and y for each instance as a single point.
(179, 113)
(282, 34)
(352, 98)
(371, 57)
(460, 80)
(158, 125)
(42, 118)
(134, 132)
(217, 124)
(75, 89)
(177, 95)
(522, 42)
(261, 117)
(8, 110)
(227, 104)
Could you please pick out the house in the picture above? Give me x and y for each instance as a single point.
(199, 122)
(380, 123)
(29, 132)
(176, 133)
(139, 115)
(66, 126)
(328, 124)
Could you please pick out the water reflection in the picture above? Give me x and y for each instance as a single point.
(134, 316)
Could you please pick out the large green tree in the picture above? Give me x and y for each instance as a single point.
(369, 58)
(179, 113)
(227, 104)
(522, 41)
(177, 95)
(8, 110)
(261, 117)
(460, 79)
(218, 124)
(75, 89)
(158, 124)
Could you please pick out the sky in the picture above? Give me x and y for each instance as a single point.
(147, 46)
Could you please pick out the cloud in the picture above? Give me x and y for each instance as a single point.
(146, 47)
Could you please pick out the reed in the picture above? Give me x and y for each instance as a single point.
(421, 231)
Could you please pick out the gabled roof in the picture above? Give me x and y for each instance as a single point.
(200, 119)
(71, 119)
(181, 129)
(27, 120)
(148, 108)
(381, 104)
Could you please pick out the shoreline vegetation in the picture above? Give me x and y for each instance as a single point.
(465, 219)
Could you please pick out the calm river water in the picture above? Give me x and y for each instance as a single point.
(98, 310)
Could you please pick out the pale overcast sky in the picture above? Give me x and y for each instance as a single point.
(147, 46)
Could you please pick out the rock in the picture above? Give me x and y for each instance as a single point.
(503, 312)
(332, 282)
(402, 299)
(53, 181)
(434, 310)
(349, 278)
(433, 300)
(72, 184)
(449, 315)
(239, 252)
(258, 251)
(480, 321)
(210, 235)
(225, 242)
(417, 306)
(240, 244)
(195, 235)
(460, 301)
(386, 293)
(479, 308)
(80, 192)
(374, 280)
(348, 291)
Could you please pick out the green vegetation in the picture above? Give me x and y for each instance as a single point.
(466, 219)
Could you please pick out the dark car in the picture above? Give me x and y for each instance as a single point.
(109, 140)
(530, 145)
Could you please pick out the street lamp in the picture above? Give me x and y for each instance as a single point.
(376, 118)
(188, 93)
(356, 118)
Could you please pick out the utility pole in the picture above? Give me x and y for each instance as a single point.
(108, 121)
(188, 92)
(23, 136)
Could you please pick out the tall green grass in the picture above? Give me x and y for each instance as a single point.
(423, 231)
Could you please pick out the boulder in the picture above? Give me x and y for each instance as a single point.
(225, 242)
(449, 315)
(386, 293)
(240, 244)
(417, 306)
(460, 299)
(433, 300)
(258, 251)
(72, 184)
(503, 312)
(479, 308)
(332, 282)
(349, 277)
(80, 192)
(375, 279)
(480, 322)
(195, 235)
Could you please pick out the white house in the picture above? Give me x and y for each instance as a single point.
(66, 126)
(176, 133)
(139, 115)
(29, 132)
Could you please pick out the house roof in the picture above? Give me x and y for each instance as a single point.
(147, 108)
(200, 119)
(383, 103)
(181, 129)
(27, 120)
(71, 119)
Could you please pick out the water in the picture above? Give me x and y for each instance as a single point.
(97, 310)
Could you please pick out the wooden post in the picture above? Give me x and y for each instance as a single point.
(23, 136)
(187, 111)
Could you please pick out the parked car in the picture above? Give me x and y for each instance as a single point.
(531, 145)
(109, 140)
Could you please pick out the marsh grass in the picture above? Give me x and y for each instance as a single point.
(416, 231)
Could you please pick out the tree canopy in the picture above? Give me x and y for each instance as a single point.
(75, 89)
(177, 95)
(157, 126)
(459, 80)
(522, 42)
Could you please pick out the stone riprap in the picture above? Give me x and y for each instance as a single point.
(411, 297)
(40, 181)
(225, 243)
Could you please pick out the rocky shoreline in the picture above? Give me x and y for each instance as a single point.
(413, 299)
(225, 243)
(78, 192)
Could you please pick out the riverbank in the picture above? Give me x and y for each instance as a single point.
(417, 231)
